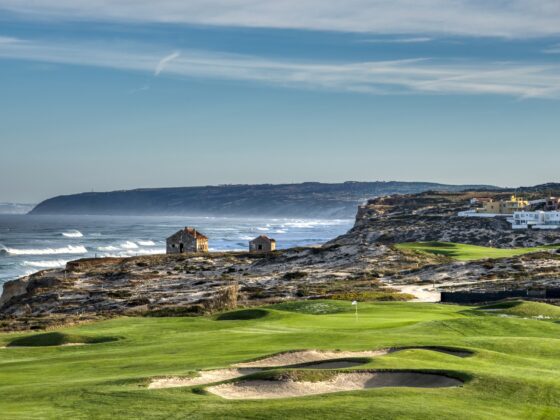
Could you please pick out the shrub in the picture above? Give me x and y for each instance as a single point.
(373, 296)
(295, 275)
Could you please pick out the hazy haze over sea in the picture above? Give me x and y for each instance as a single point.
(32, 243)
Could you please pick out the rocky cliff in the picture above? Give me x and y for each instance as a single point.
(432, 216)
(194, 284)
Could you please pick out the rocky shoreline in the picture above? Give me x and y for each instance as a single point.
(362, 264)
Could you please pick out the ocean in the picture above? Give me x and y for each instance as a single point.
(32, 243)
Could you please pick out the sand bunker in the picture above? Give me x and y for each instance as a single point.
(204, 377)
(269, 389)
(309, 356)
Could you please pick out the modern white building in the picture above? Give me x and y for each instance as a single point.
(535, 220)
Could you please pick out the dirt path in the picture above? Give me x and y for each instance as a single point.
(425, 293)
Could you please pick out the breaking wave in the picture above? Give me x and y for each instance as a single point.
(129, 245)
(74, 233)
(107, 248)
(70, 249)
(134, 252)
(45, 264)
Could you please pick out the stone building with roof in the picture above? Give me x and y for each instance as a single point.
(262, 243)
(187, 240)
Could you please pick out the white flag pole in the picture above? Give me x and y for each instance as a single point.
(355, 303)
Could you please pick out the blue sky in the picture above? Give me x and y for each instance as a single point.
(101, 95)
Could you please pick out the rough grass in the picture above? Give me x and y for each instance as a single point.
(313, 307)
(524, 309)
(373, 296)
(514, 370)
(465, 252)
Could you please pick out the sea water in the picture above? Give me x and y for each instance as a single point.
(32, 243)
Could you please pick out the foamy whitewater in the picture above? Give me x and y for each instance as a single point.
(32, 243)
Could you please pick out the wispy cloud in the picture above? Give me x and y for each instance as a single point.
(505, 18)
(417, 75)
(411, 40)
(139, 89)
(555, 49)
(165, 61)
(6, 40)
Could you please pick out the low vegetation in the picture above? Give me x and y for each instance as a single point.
(373, 296)
(465, 252)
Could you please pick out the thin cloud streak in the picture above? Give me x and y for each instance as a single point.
(552, 50)
(415, 40)
(411, 76)
(502, 18)
(162, 64)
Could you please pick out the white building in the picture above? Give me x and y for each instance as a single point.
(535, 220)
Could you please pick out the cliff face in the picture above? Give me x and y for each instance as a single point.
(194, 284)
(307, 200)
(433, 217)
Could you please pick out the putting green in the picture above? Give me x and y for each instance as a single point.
(465, 252)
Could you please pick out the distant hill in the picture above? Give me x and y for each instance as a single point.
(551, 188)
(305, 200)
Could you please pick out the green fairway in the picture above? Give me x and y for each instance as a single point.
(464, 252)
(514, 371)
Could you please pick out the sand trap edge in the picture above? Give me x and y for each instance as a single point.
(259, 389)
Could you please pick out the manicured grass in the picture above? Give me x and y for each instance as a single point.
(57, 339)
(465, 252)
(513, 373)
(524, 309)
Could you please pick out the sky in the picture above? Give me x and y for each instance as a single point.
(100, 95)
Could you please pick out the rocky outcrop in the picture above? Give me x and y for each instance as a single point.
(12, 289)
(194, 284)
(433, 217)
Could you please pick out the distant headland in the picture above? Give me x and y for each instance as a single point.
(306, 200)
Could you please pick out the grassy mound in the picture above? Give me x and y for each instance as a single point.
(242, 315)
(296, 375)
(524, 309)
(316, 307)
(56, 339)
(465, 252)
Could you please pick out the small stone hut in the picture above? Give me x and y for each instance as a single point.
(187, 240)
(262, 244)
